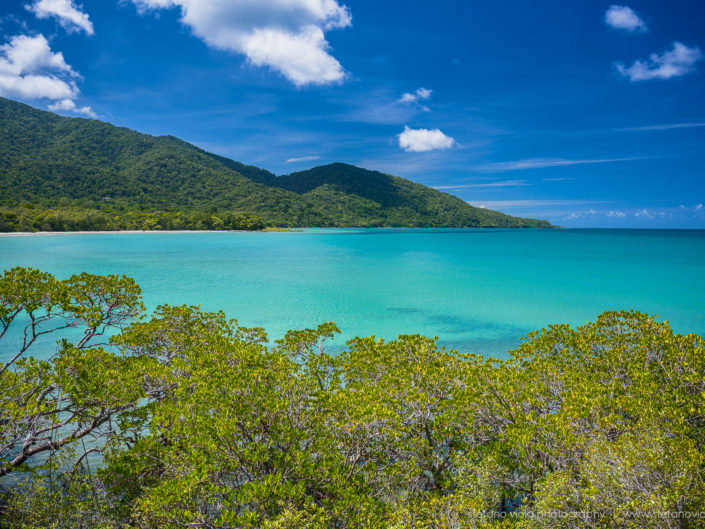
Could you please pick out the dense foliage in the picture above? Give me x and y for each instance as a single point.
(31, 219)
(201, 424)
(49, 161)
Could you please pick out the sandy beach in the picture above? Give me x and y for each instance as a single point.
(43, 233)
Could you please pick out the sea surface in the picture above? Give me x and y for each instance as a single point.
(478, 291)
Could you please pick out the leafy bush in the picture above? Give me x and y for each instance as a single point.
(203, 423)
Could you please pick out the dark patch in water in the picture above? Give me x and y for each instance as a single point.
(448, 323)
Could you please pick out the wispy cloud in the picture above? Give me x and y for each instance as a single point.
(540, 163)
(528, 203)
(617, 214)
(303, 159)
(676, 62)
(623, 17)
(503, 183)
(666, 126)
(377, 106)
(682, 212)
(581, 214)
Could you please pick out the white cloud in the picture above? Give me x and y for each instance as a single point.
(647, 214)
(35, 87)
(618, 214)
(423, 140)
(419, 95)
(30, 70)
(303, 159)
(680, 213)
(26, 54)
(69, 106)
(674, 63)
(589, 213)
(70, 16)
(284, 35)
(302, 58)
(623, 17)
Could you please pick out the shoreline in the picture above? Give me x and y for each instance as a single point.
(109, 232)
(299, 230)
(266, 230)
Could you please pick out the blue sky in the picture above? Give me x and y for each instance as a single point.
(586, 113)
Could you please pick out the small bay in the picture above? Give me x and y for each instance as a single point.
(477, 290)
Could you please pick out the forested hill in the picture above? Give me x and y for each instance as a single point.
(54, 168)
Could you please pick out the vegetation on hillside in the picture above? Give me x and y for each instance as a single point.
(32, 219)
(201, 424)
(49, 162)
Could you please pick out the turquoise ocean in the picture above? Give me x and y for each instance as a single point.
(479, 291)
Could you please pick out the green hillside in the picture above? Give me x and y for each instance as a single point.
(74, 173)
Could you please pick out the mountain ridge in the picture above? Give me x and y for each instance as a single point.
(50, 161)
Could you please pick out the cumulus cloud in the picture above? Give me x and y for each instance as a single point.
(24, 54)
(623, 17)
(30, 70)
(674, 63)
(414, 97)
(284, 35)
(423, 140)
(69, 16)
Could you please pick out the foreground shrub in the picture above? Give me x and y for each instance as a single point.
(201, 423)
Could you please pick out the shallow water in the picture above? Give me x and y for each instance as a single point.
(477, 290)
